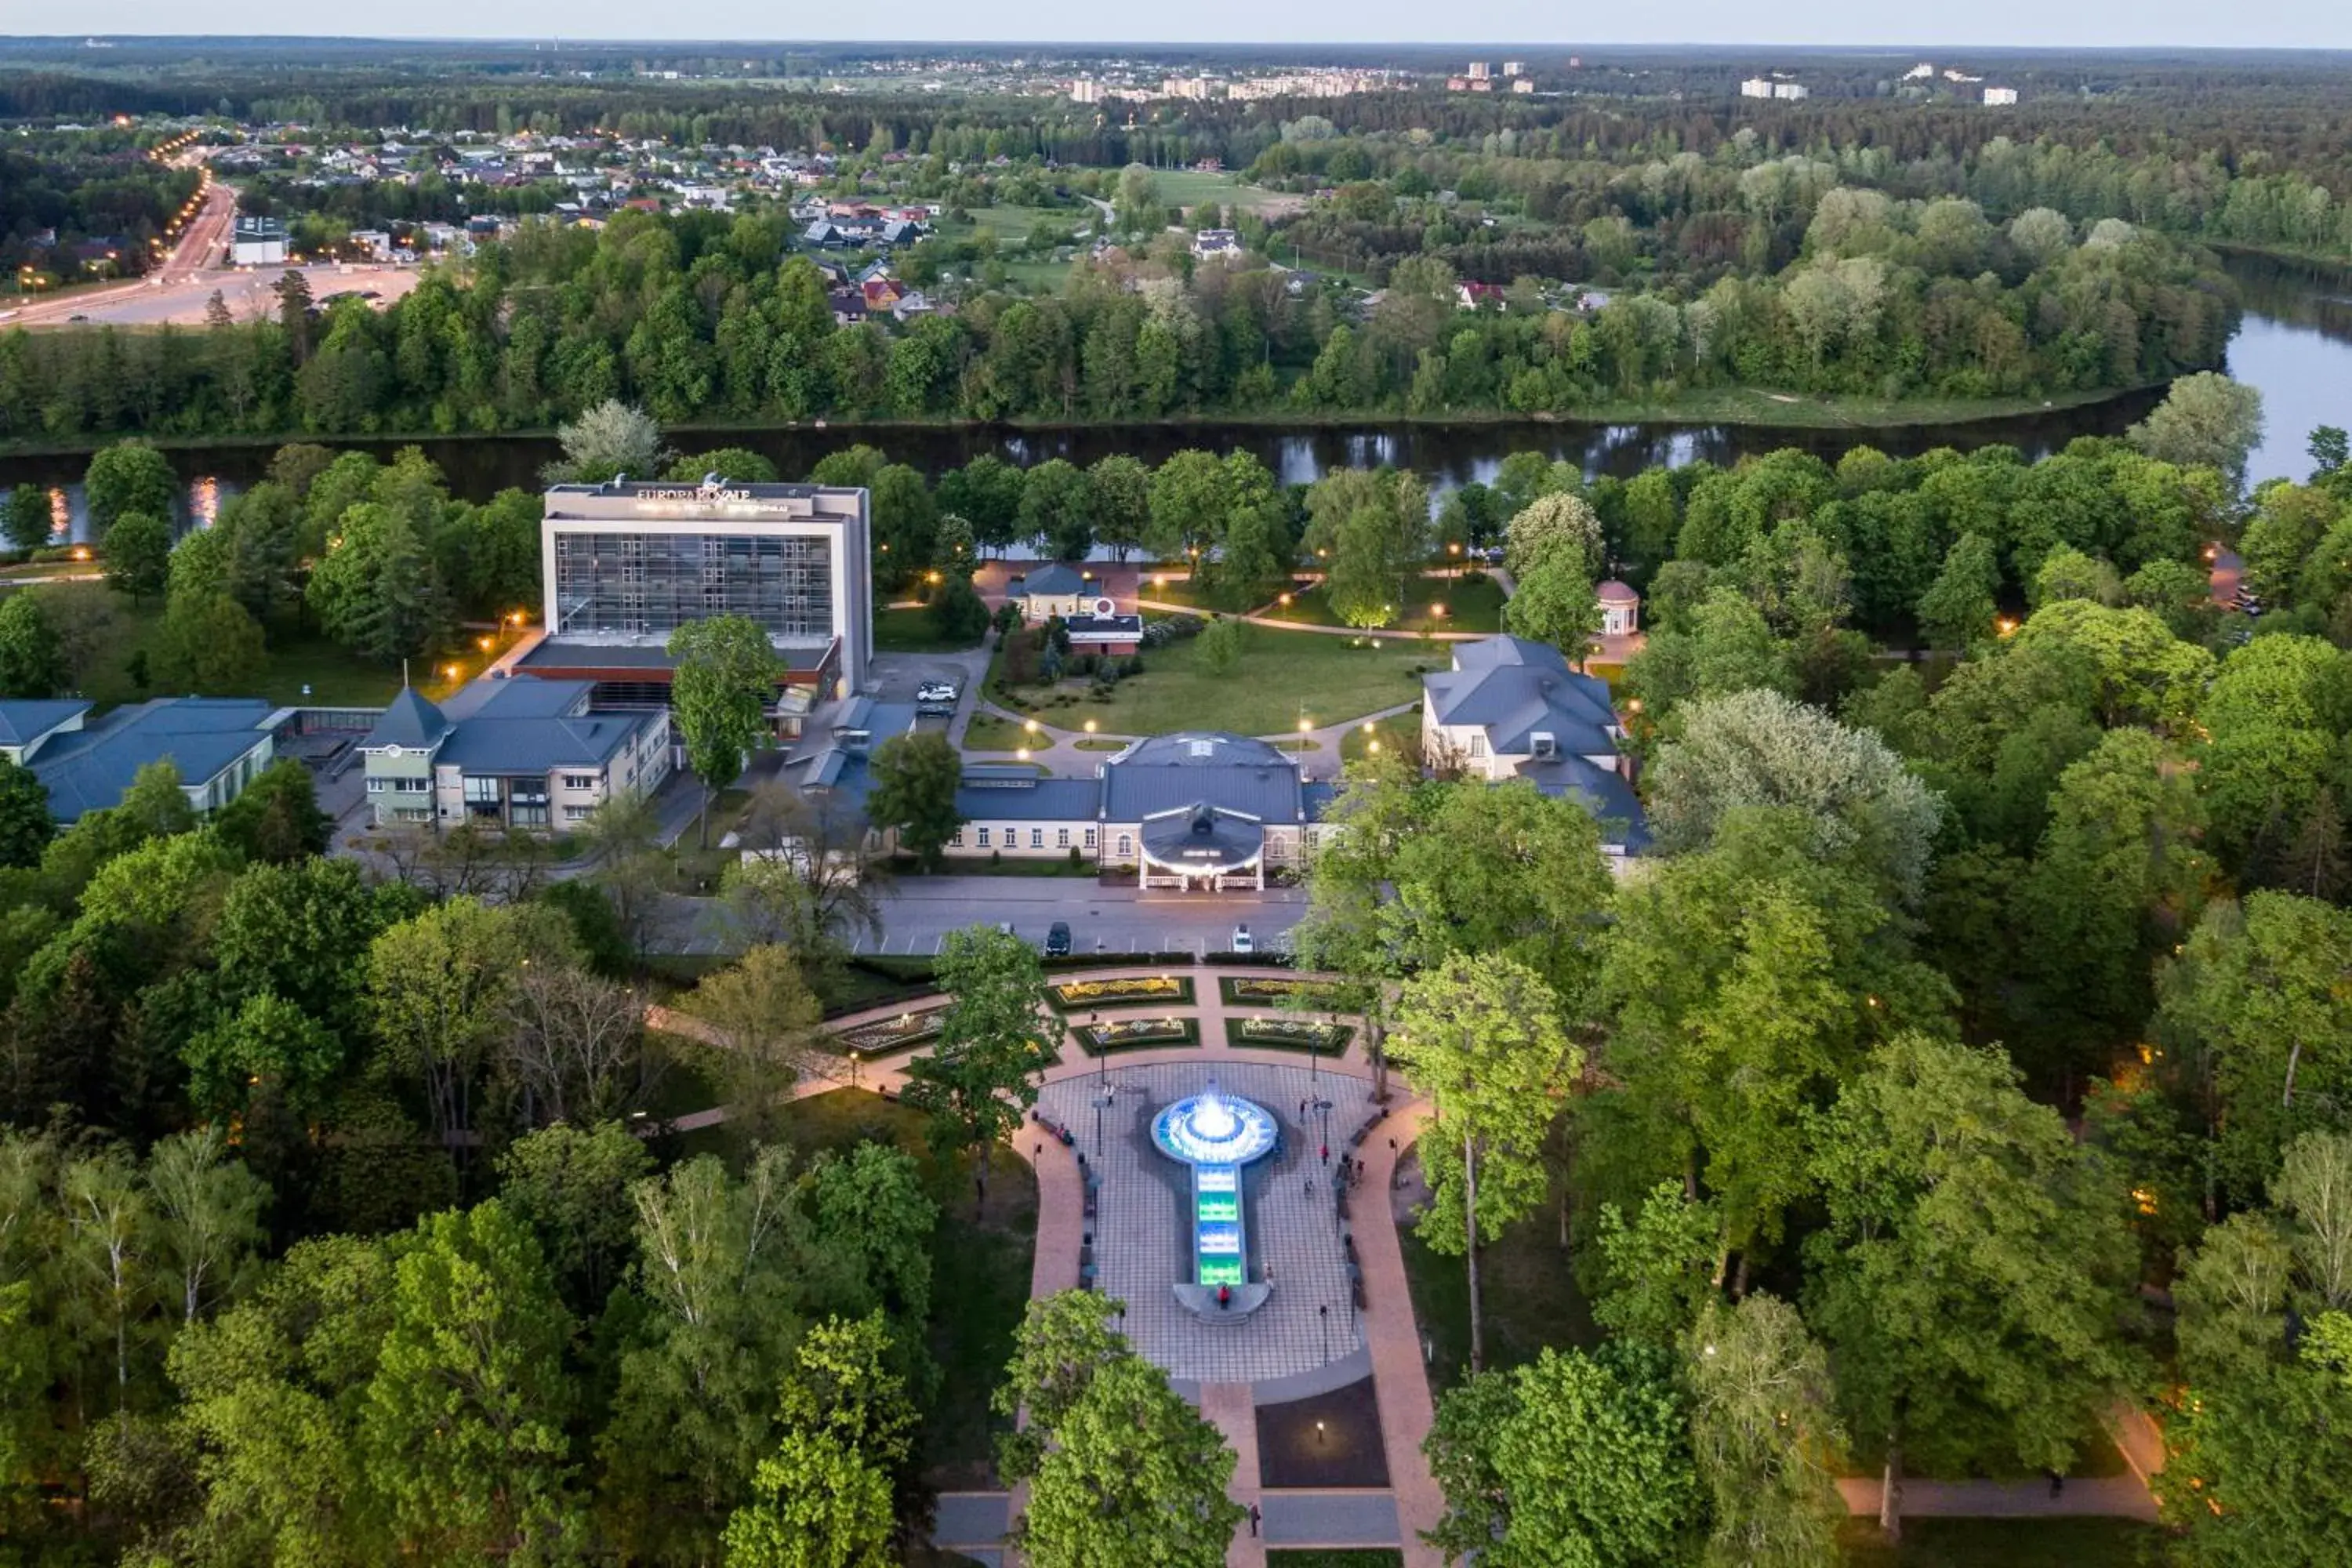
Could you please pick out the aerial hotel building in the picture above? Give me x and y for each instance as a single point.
(624, 563)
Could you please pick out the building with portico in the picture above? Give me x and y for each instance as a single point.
(1196, 811)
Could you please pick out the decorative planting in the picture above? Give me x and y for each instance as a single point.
(1283, 1033)
(1134, 1034)
(1276, 991)
(1137, 991)
(898, 1033)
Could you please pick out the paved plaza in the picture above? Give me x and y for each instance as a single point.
(1142, 1226)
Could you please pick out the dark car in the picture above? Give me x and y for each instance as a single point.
(1057, 940)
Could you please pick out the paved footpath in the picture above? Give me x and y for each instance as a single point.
(1391, 1333)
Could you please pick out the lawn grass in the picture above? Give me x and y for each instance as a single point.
(1529, 1287)
(2062, 1542)
(908, 630)
(1471, 603)
(1400, 734)
(987, 733)
(1333, 679)
(1190, 187)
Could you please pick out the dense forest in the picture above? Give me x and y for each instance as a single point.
(84, 204)
(695, 317)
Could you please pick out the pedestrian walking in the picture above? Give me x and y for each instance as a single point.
(1254, 1519)
(1327, 1153)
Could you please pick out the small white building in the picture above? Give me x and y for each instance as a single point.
(1215, 242)
(1998, 96)
(1621, 608)
(258, 242)
(1755, 87)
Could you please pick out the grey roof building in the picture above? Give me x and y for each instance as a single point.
(1511, 707)
(534, 754)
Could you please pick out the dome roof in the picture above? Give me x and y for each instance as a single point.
(1612, 592)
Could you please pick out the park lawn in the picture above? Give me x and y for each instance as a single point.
(909, 630)
(1279, 673)
(987, 733)
(1471, 603)
(1190, 187)
(980, 1270)
(1012, 223)
(1400, 732)
(1039, 277)
(1531, 1293)
(2058, 1542)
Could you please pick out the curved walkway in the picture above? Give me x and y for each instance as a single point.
(1391, 1333)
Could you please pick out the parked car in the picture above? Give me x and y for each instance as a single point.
(1242, 940)
(935, 691)
(1057, 940)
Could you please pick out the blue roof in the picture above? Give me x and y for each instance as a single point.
(26, 719)
(1605, 795)
(984, 798)
(410, 722)
(1054, 579)
(1514, 690)
(88, 769)
(1202, 767)
(488, 745)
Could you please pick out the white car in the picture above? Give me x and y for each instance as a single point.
(1242, 940)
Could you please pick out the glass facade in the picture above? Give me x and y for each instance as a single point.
(652, 583)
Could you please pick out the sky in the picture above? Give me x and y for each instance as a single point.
(2264, 23)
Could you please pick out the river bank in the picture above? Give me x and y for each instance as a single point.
(1756, 406)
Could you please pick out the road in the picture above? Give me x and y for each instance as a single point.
(180, 291)
(918, 912)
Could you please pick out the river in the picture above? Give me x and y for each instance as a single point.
(2295, 345)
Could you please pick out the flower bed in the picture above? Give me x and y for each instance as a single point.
(898, 1033)
(1281, 1033)
(1137, 991)
(1134, 1034)
(1276, 991)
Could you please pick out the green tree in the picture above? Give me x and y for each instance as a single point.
(823, 1500)
(958, 614)
(1764, 1436)
(208, 1216)
(764, 1015)
(137, 548)
(2205, 419)
(32, 660)
(1554, 603)
(572, 1185)
(724, 679)
(465, 1415)
(275, 818)
(1974, 1275)
(915, 781)
(26, 521)
(1556, 528)
(26, 828)
(1957, 608)
(996, 1034)
(376, 591)
(130, 476)
(209, 645)
(1484, 1039)
(1220, 645)
(1057, 510)
(1122, 1472)
(267, 1052)
(1578, 1457)
(1757, 748)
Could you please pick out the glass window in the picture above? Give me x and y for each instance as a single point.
(984, 839)
(1036, 839)
(654, 583)
(1061, 838)
(1125, 845)
(1090, 837)
(579, 781)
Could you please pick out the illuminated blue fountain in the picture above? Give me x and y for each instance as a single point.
(1216, 1135)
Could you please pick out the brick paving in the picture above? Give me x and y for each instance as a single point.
(1142, 1226)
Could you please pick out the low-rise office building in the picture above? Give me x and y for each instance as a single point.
(219, 744)
(535, 756)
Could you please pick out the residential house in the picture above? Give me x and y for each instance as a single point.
(534, 756)
(1510, 708)
(1211, 242)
